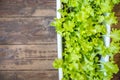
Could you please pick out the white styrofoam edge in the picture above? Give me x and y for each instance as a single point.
(59, 40)
(107, 38)
(107, 44)
(59, 46)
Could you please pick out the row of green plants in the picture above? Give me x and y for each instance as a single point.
(83, 27)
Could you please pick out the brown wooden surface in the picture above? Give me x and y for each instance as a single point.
(28, 75)
(27, 57)
(27, 41)
(11, 8)
(117, 10)
(28, 52)
(26, 30)
(117, 56)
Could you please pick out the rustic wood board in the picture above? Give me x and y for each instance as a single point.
(12, 8)
(27, 30)
(17, 52)
(117, 59)
(27, 41)
(117, 56)
(27, 57)
(26, 65)
(28, 75)
(117, 10)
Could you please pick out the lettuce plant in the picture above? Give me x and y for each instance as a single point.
(83, 26)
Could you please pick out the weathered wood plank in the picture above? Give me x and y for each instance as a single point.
(27, 57)
(27, 8)
(27, 30)
(116, 76)
(27, 41)
(17, 52)
(23, 64)
(44, 12)
(117, 59)
(117, 10)
(117, 56)
(28, 75)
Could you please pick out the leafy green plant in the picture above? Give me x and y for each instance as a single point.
(83, 26)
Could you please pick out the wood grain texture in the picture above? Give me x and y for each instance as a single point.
(12, 8)
(23, 64)
(117, 10)
(27, 41)
(27, 57)
(29, 75)
(35, 52)
(27, 30)
(117, 61)
(117, 56)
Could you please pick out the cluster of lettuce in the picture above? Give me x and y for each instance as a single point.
(83, 26)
